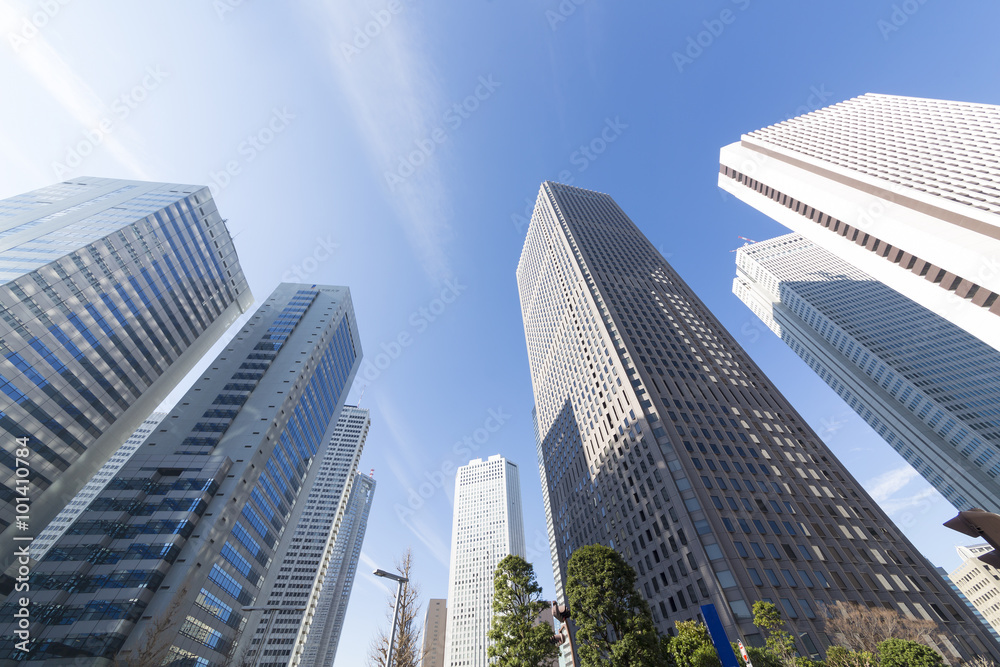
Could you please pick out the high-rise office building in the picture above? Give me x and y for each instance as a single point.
(566, 654)
(487, 527)
(985, 590)
(184, 536)
(48, 537)
(110, 292)
(927, 386)
(324, 551)
(435, 626)
(339, 581)
(662, 439)
(905, 189)
(295, 584)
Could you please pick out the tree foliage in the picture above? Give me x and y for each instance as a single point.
(614, 625)
(838, 656)
(516, 640)
(406, 652)
(903, 653)
(779, 644)
(860, 628)
(692, 646)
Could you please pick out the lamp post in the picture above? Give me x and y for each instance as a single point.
(400, 580)
(269, 610)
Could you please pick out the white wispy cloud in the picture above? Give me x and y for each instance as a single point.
(920, 499)
(366, 573)
(883, 487)
(48, 68)
(393, 96)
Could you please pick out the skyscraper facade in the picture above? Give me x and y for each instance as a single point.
(48, 537)
(110, 292)
(978, 584)
(487, 526)
(435, 626)
(295, 584)
(339, 580)
(160, 565)
(927, 386)
(903, 188)
(661, 438)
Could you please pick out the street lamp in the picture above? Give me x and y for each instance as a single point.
(269, 610)
(400, 580)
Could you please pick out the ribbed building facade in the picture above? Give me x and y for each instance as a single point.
(159, 566)
(110, 292)
(662, 439)
(487, 526)
(48, 537)
(906, 189)
(927, 386)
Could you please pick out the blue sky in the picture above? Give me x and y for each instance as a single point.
(342, 158)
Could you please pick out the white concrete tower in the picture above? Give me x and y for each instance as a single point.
(487, 527)
(905, 189)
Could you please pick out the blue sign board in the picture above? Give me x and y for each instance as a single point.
(719, 638)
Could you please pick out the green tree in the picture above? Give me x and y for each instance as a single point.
(904, 653)
(515, 639)
(838, 656)
(780, 644)
(692, 646)
(613, 625)
(759, 656)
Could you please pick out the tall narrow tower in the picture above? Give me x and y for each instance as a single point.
(296, 583)
(160, 566)
(334, 586)
(660, 438)
(903, 188)
(487, 527)
(110, 292)
(927, 386)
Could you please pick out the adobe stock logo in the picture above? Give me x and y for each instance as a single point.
(698, 43)
(463, 449)
(457, 114)
(121, 108)
(420, 320)
(250, 149)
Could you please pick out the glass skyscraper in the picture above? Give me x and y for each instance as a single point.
(48, 537)
(296, 582)
(662, 439)
(110, 292)
(159, 566)
(905, 189)
(930, 388)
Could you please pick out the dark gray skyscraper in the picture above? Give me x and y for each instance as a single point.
(110, 292)
(662, 439)
(182, 538)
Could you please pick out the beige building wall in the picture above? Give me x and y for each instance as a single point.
(979, 582)
(435, 623)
